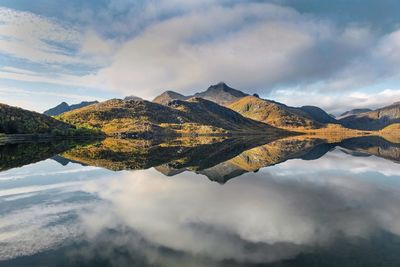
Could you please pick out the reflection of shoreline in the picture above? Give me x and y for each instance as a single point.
(14, 155)
(219, 158)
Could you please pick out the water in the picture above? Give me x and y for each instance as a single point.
(290, 202)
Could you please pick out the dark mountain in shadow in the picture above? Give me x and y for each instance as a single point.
(64, 107)
(318, 114)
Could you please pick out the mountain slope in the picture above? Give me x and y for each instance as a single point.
(146, 119)
(64, 107)
(273, 113)
(15, 120)
(373, 120)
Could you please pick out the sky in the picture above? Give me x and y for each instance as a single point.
(338, 55)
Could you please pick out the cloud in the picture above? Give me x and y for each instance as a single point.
(284, 213)
(32, 37)
(254, 47)
(143, 48)
(43, 40)
(261, 217)
(17, 74)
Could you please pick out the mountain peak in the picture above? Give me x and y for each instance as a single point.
(168, 96)
(221, 93)
(220, 86)
(62, 104)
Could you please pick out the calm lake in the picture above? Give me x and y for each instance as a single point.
(234, 202)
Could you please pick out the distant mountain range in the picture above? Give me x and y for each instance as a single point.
(64, 107)
(219, 93)
(373, 119)
(353, 112)
(219, 110)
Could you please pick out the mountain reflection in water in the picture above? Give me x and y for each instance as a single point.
(297, 201)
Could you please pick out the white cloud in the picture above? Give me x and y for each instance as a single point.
(255, 47)
(282, 208)
(251, 46)
(60, 79)
(43, 40)
(191, 51)
(35, 38)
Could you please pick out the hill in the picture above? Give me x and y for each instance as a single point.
(219, 93)
(373, 120)
(64, 107)
(15, 120)
(273, 113)
(140, 118)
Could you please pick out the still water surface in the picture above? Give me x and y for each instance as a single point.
(290, 202)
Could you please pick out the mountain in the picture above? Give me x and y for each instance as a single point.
(318, 114)
(219, 93)
(168, 96)
(15, 120)
(64, 107)
(274, 113)
(353, 112)
(373, 120)
(147, 119)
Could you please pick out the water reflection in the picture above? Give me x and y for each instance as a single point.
(219, 160)
(297, 201)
